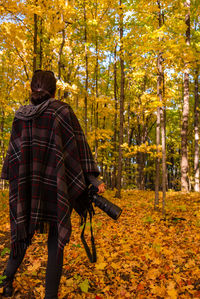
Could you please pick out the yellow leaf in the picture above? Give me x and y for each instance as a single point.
(35, 266)
(101, 266)
(114, 266)
(171, 290)
(153, 274)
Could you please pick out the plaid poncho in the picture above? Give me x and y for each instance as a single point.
(46, 164)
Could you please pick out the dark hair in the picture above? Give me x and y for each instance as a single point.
(43, 86)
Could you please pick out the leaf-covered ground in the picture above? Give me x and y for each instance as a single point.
(139, 256)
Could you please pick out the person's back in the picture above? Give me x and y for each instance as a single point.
(49, 165)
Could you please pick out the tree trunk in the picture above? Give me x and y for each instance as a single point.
(184, 130)
(115, 120)
(163, 136)
(164, 173)
(41, 44)
(141, 138)
(119, 174)
(141, 164)
(35, 43)
(2, 143)
(157, 180)
(86, 67)
(196, 133)
(60, 59)
(128, 160)
(96, 94)
(159, 94)
(140, 157)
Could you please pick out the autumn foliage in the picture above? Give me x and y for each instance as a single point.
(127, 68)
(130, 71)
(141, 255)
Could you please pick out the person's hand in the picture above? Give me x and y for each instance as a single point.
(101, 188)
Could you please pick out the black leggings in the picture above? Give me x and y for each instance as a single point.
(53, 271)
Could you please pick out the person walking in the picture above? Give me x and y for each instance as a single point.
(49, 165)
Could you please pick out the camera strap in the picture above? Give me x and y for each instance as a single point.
(91, 255)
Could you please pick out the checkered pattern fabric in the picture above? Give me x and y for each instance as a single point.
(47, 163)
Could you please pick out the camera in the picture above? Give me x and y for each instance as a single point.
(104, 204)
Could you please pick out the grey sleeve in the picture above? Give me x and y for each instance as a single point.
(93, 180)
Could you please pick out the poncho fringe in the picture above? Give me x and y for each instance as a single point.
(42, 227)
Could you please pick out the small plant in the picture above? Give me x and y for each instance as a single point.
(147, 219)
(157, 247)
(197, 224)
(182, 208)
(84, 285)
(2, 278)
(4, 251)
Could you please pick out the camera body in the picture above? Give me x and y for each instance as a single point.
(104, 204)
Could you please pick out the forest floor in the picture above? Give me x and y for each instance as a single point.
(141, 255)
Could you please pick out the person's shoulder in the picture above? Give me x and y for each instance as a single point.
(60, 106)
(62, 111)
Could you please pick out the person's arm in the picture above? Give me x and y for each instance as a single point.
(96, 182)
(81, 203)
(86, 159)
(5, 168)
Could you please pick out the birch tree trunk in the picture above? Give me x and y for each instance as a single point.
(157, 180)
(163, 126)
(196, 133)
(163, 137)
(164, 174)
(159, 94)
(141, 139)
(185, 116)
(128, 164)
(115, 119)
(119, 174)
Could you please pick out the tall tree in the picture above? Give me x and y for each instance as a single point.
(115, 118)
(41, 42)
(89, 73)
(159, 113)
(121, 126)
(162, 114)
(86, 66)
(196, 132)
(60, 56)
(96, 83)
(184, 130)
(35, 41)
